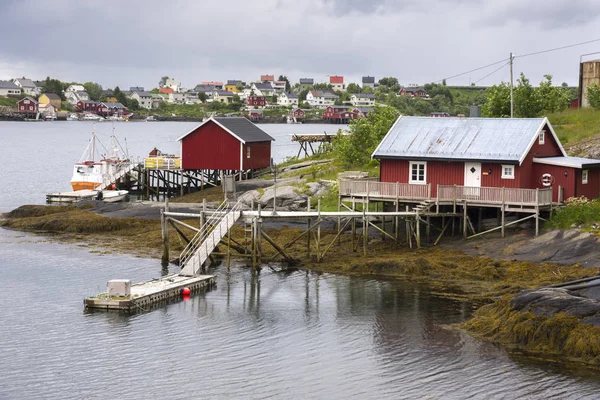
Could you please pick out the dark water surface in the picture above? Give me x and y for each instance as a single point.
(272, 335)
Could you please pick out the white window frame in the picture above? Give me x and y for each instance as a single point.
(512, 169)
(542, 137)
(410, 169)
(248, 152)
(584, 176)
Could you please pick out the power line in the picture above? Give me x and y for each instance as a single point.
(491, 73)
(557, 48)
(473, 70)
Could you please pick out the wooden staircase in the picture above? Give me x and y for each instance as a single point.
(424, 206)
(206, 240)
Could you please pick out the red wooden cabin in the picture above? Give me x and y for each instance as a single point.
(233, 144)
(87, 106)
(28, 106)
(339, 114)
(522, 153)
(257, 101)
(298, 113)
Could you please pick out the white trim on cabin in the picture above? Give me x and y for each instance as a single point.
(241, 156)
(510, 168)
(570, 162)
(536, 138)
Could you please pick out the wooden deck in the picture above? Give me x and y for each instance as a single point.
(369, 190)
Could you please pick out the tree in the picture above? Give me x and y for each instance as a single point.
(526, 100)
(274, 99)
(498, 101)
(54, 86)
(353, 88)
(163, 81)
(202, 96)
(552, 98)
(239, 86)
(288, 87)
(121, 97)
(302, 95)
(94, 90)
(355, 149)
(388, 81)
(593, 95)
(322, 86)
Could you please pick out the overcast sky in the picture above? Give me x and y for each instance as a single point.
(134, 43)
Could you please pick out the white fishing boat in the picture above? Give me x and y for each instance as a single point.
(92, 117)
(111, 196)
(96, 170)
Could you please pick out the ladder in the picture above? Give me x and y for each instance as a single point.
(206, 240)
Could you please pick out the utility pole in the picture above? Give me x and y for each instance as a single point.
(511, 86)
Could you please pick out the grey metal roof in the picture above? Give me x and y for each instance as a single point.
(142, 93)
(364, 95)
(204, 88)
(26, 83)
(52, 96)
(113, 105)
(8, 85)
(244, 129)
(136, 89)
(307, 81)
(240, 127)
(574, 162)
(368, 79)
(291, 95)
(224, 93)
(233, 81)
(484, 139)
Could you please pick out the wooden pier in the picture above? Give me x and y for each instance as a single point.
(145, 294)
(306, 141)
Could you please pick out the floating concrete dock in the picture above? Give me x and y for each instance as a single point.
(143, 295)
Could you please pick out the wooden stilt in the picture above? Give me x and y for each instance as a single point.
(418, 229)
(365, 229)
(318, 241)
(465, 219)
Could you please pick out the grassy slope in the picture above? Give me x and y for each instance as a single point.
(573, 126)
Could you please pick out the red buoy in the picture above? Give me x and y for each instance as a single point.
(186, 291)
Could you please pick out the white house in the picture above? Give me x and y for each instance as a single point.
(321, 99)
(223, 96)
(287, 99)
(143, 98)
(9, 88)
(176, 98)
(368, 81)
(28, 86)
(262, 89)
(279, 86)
(363, 100)
(76, 93)
(173, 84)
(192, 98)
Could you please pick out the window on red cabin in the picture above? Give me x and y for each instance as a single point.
(542, 137)
(418, 172)
(584, 176)
(248, 152)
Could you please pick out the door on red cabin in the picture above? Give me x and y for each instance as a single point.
(472, 179)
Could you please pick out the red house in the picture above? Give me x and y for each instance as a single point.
(413, 92)
(255, 115)
(87, 106)
(298, 113)
(27, 106)
(521, 153)
(439, 114)
(233, 144)
(339, 114)
(257, 101)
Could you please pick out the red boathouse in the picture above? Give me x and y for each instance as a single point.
(517, 153)
(231, 144)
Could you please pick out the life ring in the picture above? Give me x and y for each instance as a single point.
(547, 180)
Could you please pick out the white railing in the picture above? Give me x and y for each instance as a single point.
(384, 189)
(407, 191)
(490, 195)
(209, 236)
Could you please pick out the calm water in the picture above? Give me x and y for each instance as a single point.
(271, 335)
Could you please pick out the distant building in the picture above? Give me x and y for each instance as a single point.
(439, 114)
(165, 90)
(75, 93)
(338, 114)
(363, 100)
(87, 106)
(9, 89)
(28, 86)
(176, 98)
(28, 106)
(298, 113)
(321, 99)
(232, 86)
(287, 99)
(263, 89)
(267, 78)
(173, 84)
(337, 82)
(110, 109)
(222, 96)
(413, 92)
(257, 101)
(143, 98)
(306, 83)
(136, 89)
(50, 98)
(217, 84)
(368, 81)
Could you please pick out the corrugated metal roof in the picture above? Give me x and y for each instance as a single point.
(8, 85)
(492, 139)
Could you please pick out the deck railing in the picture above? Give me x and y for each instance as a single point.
(445, 193)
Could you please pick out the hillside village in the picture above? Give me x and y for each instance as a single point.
(333, 101)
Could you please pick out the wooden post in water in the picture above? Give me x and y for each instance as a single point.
(353, 226)
(407, 227)
(165, 234)
(396, 224)
(339, 220)
(365, 229)
(318, 228)
(308, 230)
(503, 211)
(465, 219)
(418, 228)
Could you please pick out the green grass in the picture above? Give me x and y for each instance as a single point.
(575, 125)
(576, 214)
(8, 101)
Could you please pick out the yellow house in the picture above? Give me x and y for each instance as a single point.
(111, 99)
(50, 98)
(231, 86)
